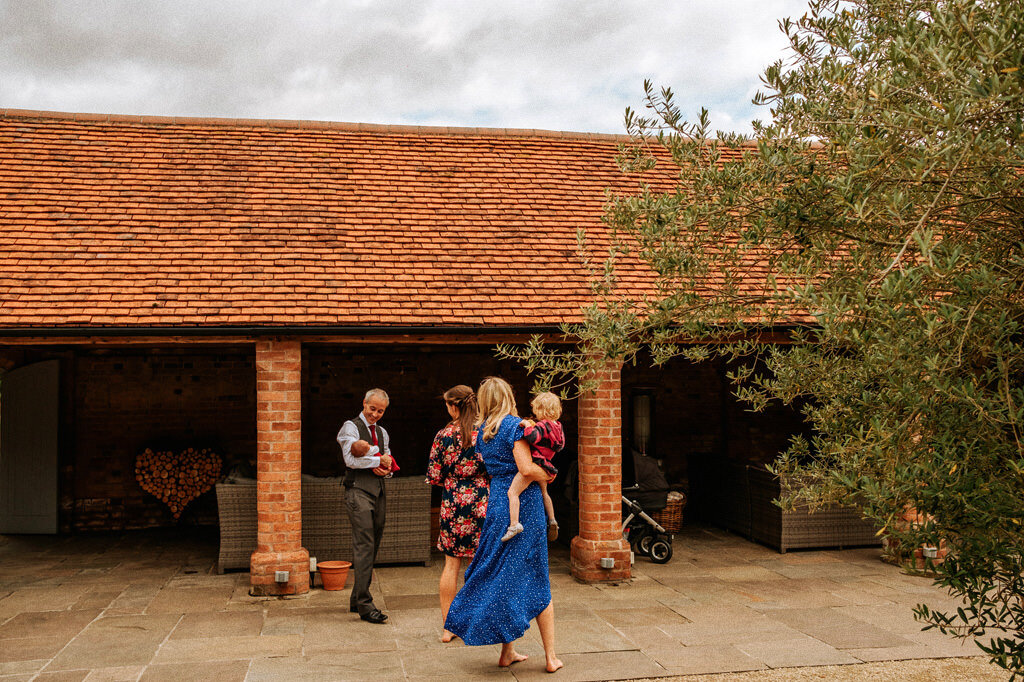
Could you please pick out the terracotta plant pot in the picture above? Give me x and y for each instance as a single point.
(333, 574)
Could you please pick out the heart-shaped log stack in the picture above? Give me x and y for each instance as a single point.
(177, 478)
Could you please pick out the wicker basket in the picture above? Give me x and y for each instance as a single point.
(671, 517)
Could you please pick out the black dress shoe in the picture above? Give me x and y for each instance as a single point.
(353, 609)
(375, 617)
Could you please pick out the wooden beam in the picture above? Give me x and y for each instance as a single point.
(774, 336)
(335, 339)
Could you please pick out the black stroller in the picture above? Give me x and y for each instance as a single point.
(650, 494)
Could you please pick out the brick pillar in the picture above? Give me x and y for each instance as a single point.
(600, 482)
(279, 470)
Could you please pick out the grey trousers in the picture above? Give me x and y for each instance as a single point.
(366, 514)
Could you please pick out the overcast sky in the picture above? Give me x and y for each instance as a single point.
(555, 65)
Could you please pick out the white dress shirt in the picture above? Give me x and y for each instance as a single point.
(350, 434)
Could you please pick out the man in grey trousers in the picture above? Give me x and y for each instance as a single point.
(364, 497)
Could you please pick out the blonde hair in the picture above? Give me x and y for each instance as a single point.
(546, 406)
(495, 401)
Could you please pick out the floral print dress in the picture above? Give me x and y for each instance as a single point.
(464, 483)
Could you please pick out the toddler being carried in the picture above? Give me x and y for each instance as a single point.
(545, 437)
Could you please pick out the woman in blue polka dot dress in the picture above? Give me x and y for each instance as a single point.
(507, 583)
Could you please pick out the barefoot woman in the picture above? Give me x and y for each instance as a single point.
(456, 467)
(507, 583)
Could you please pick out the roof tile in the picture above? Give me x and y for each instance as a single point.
(227, 222)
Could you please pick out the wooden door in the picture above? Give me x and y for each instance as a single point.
(29, 404)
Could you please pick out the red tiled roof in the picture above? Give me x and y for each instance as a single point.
(117, 221)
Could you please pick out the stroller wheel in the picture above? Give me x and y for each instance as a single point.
(640, 541)
(643, 544)
(660, 549)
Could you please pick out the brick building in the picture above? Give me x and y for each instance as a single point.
(238, 284)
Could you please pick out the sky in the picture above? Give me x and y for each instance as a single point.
(552, 65)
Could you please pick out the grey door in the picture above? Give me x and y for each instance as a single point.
(29, 399)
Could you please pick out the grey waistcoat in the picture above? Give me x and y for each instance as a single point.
(364, 479)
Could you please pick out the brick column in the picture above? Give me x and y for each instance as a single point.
(279, 470)
(600, 482)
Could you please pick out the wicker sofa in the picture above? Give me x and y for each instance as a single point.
(740, 497)
(325, 527)
(798, 529)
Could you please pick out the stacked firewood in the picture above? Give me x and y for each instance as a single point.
(177, 478)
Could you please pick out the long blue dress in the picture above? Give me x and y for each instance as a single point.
(507, 583)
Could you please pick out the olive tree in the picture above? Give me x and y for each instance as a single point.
(877, 217)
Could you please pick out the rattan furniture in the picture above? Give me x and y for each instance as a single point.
(325, 527)
(740, 497)
(236, 512)
(797, 529)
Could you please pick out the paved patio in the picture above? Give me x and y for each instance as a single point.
(149, 606)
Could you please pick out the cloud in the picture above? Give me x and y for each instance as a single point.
(569, 65)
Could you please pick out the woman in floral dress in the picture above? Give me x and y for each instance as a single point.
(456, 467)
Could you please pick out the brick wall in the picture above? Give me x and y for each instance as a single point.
(600, 462)
(123, 401)
(127, 400)
(600, 483)
(279, 469)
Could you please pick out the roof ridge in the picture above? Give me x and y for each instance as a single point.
(309, 124)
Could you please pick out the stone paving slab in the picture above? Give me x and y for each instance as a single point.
(709, 658)
(116, 674)
(114, 642)
(18, 668)
(735, 632)
(637, 616)
(901, 653)
(357, 667)
(799, 652)
(63, 676)
(454, 662)
(59, 624)
(190, 600)
(218, 624)
(219, 671)
(30, 649)
(649, 637)
(150, 606)
(582, 667)
(837, 630)
(45, 598)
(98, 598)
(135, 598)
(228, 649)
(898, 618)
(944, 670)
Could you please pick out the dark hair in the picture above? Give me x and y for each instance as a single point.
(464, 399)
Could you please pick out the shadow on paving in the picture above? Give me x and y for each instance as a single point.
(150, 606)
